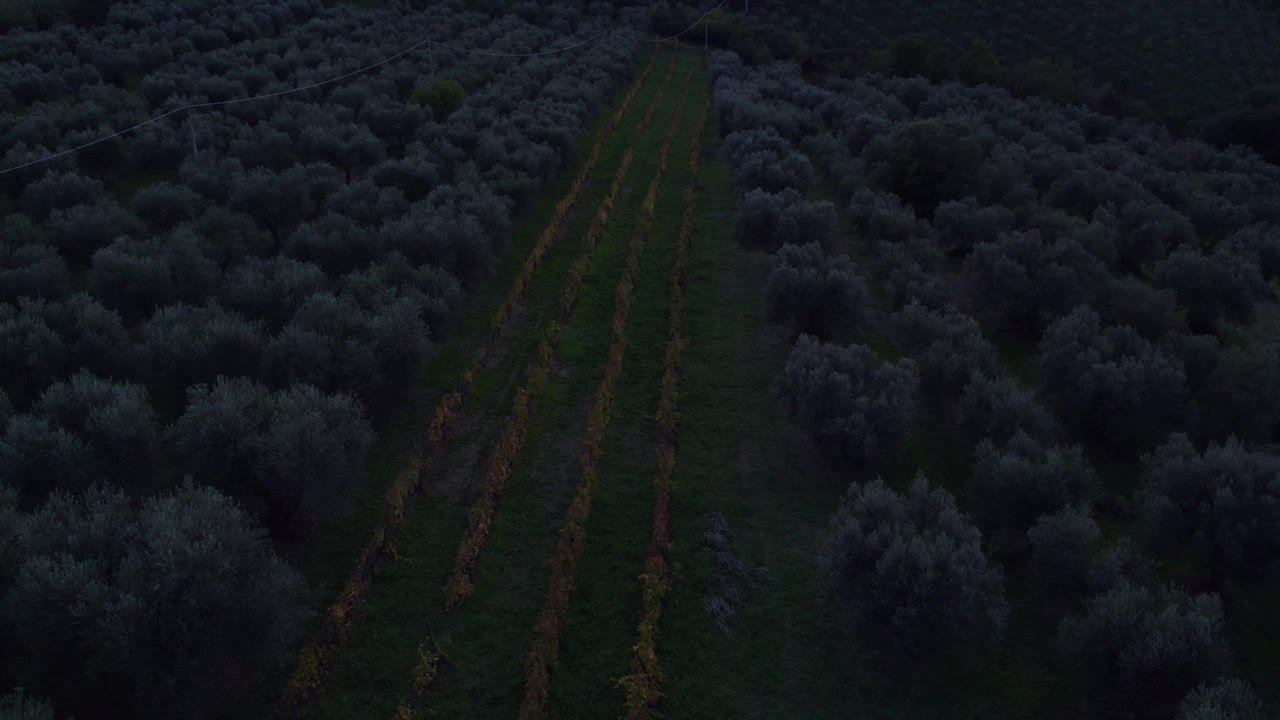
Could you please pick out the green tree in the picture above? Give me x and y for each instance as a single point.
(443, 96)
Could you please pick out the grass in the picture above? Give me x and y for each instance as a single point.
(327, 559)
(375, 670)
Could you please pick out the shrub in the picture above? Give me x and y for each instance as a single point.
(999, 408)
(856, 407)
(17, 705)
(115, 420)
(287, 455)
(811, 290)
(184, 587)
(1241, 395)
(926, 162)
(1110, 383)
(1027, 282)
(947, 347)
(1148, 648)
(336, 345)
(137, 277)
(183, 346)
(962, 224)
(1230, 699)
(32, 355)
(770, 220)
(81, 230)
(1015, 483)
(1061, 545)
(1212, 288)
(272, 290)
(32, 271)
(1121, 563)
(1128, 300)
(908, 571)
(59, 191)
(163, 205)
(763, 159)
(1222, 505)
(443, 96)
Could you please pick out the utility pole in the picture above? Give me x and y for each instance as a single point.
(705, 35)
(431, 51)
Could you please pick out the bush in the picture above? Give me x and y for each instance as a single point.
(1015, 483)
(1147, 647)
(184, 587)
(1213, 288)
(18, 706)
(1241, 395)
(884, 217)
(163, 205)
(32, 354)
(443, 96)
(82, 230)
(1153, 312)
(1027, 282)
(115, 420)
(183, 346)
(336, 345)
(963, 224)
(909, 572)
(1148, 232)
(1109, 383)
(999, 408)
(32, 271)
(1222, 505)
(1121, 563)
(135, 278)
(1230, 699)
(926, 162)
(1061, 545)
(947, 347)
(287, 455)
(38, 457)
(768, 220)
(763, 159)
(857, 408)
(811, 290)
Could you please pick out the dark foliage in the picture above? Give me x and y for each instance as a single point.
(1222, 506)
(1109, 383)
(1148, 648)
(811, 290)
(1013, 484)
(176, 585)
(927, 162)
(287, 455)
(857, 408)
(908, 571)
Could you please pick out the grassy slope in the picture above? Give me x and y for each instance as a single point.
(490, 636)
(365, 686)
(600, 627)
